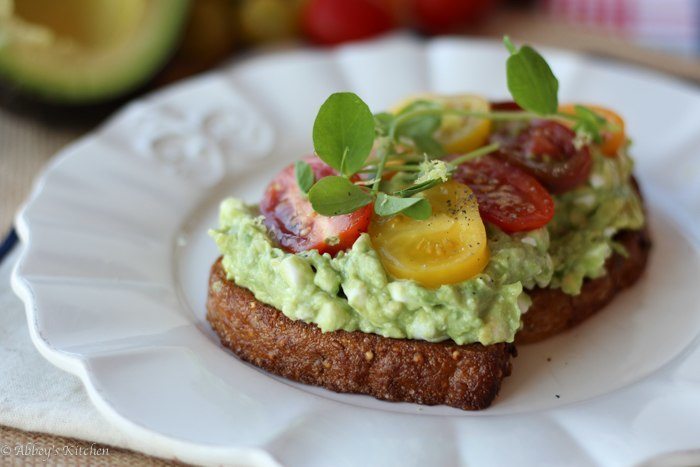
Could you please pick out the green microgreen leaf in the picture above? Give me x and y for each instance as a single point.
(334, 195)
(509, 45)
(421, 128)
(383, 145)
(589, 122)
(304, 175)
(416, 188)
(427, 144)
(420, 211)
(530, 80)
(589, 114)
(383, 122)
(344, 132)
(417, 208)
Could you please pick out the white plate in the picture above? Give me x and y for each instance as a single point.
(116, 258)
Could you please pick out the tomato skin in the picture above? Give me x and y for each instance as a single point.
(506, 106)
(449, 247)
(297, 227)
(546, 150)
(329, 22)
(508, 197)
(439, 16)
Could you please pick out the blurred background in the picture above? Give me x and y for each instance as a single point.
(65, 65)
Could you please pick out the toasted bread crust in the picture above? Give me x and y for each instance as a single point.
(463, 376)
(553, 311)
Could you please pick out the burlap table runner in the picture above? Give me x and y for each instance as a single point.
(28, 142)
(21, 448)
(25, 146)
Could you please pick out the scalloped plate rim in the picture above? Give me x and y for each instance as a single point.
(168, 446)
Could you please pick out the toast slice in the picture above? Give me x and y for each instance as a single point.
(553, 311)
(463, 376)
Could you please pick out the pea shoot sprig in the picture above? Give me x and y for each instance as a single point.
(349, 138)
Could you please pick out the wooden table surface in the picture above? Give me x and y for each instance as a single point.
(29, 141)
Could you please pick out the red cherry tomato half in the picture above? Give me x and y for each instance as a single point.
(508, 197)
(334, 21)
(546, 150)
(507, 106)
(438, 16)
(297, 227)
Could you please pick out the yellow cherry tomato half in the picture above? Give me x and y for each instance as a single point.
(447, 248)
(457, 134)
(613, 139)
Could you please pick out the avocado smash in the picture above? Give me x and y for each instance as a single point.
(352, 291)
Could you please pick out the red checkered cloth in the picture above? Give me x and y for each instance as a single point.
(666, 24)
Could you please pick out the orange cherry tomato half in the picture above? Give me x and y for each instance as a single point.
(613, 139)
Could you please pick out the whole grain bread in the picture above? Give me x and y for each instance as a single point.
(463, 376)
(553, 311)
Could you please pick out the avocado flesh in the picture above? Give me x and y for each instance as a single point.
(86, 51)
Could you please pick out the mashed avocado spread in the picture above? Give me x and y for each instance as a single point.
(353, 292)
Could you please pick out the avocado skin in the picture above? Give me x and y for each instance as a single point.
(45, 99)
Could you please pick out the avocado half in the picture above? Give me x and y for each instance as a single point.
(86, 51)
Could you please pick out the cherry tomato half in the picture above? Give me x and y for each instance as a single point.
(508, 197)
(508, 106)
(546, 150)
(334, 21)
(449, 247)
(297, 227)
(457, 134)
